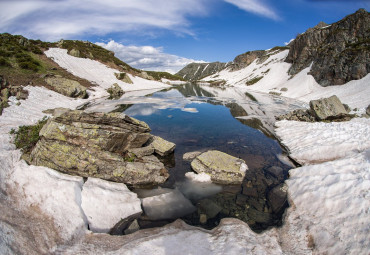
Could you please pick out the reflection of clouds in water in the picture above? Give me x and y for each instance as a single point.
(192, 110)
(141, 109)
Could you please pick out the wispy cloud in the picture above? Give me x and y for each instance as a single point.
(57, 19)
(147, 57)
(256, 7)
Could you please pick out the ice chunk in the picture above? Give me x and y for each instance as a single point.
(106, 203)
(170, 205)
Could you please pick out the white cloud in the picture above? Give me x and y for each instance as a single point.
(147, 57)
(255, 6)
(55, 19)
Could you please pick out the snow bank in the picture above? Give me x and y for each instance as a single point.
(302, 86)
(106, 203)
(311, 143)
(98, 73)
(330, 207)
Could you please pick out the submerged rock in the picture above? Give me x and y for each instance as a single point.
(222, 168)
(169, 205)
(97, 145)
(67, 87)
(278, 197)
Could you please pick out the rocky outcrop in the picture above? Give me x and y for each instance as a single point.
(7, 90)
(115, 92)
(97, 145)
(328, 109)
(338, 53)
(66, 86)
(197, 71)
(243, 60)
(223, 168)
(124, 77)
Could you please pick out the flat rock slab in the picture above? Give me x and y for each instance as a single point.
(223, 168)
(161, 146)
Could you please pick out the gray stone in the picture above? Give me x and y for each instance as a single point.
(276, 172)
(327, 108)
(67, 87)
(222, 168)
(297, 115)
(134, 226)
(161, 146)
(258, 216)
(209, 208)
(98, 145)
(143, 151)
(277, 197)
(191, 155)
(75, 53)
(124, 77)
(115, 91)
(368, 110)
(126, 225)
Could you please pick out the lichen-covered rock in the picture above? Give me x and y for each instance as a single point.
(115, 91)
(97, 145)
(67, 87)
(222, 168)
(327, 108)
(75, 53)
(124, 77)
(161, 146)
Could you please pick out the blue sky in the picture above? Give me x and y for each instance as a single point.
(168, 34)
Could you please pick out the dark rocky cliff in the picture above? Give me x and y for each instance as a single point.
(197, 71)
(339, 52)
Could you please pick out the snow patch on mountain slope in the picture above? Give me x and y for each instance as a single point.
(98, 73)
(302, 86)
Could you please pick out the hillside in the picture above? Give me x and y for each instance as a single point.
(24, 62)
(197, 71)
(326, 55)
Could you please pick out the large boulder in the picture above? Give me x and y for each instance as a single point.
(222, 168)
(327, 108)
(66, 86)
(124, 77)
(115, 91)
(97, 145)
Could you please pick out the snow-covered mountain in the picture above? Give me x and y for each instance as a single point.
(323, 61)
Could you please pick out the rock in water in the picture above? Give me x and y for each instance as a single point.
(223, 168)
(97, 145)
(67, 87)
(327, 108)
(161, 146)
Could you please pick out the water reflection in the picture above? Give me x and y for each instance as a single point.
(200, 118)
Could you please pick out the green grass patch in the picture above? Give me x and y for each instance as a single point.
(93, 51)
(26, 137)
(254, 80)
